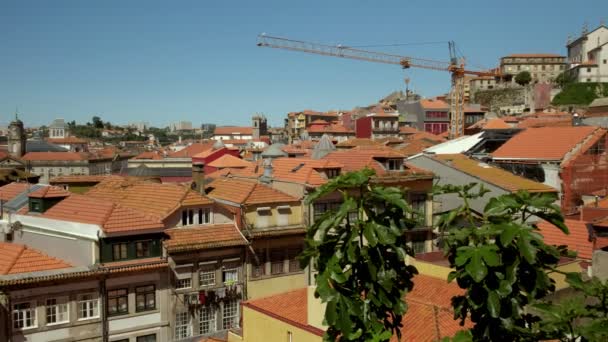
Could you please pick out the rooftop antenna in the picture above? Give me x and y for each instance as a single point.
(16, 113)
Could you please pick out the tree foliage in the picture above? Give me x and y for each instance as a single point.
(359, 250)
(504, 266)
(580, 93)
(523, 78)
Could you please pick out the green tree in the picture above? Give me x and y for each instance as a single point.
(523, 78)
(97, 123)
(564, 79)
(500, 260)
(359, 250)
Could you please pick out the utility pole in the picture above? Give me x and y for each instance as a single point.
(407, 89)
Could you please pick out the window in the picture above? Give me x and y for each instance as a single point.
(321, 208)
(418, 203)
(182, 326)
(57, 311)
(142, 249)
(588, 80)
(204, 216)
(230, 276)
(118, 302)
(146, 338)
(190, 216)
(394, 164)
(145, 298)
(276, 261)
(119, 251)
(88, 307)
(418, 241)
(294, 263)
(185, 283)
(605, 61)
(24, 316)
(230, 318)
(206, 320)
(436, 127)
(207, 276)
(588, 69)
(184, 217)
(332, 173)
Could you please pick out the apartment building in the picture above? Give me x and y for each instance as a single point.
(50, 164)
(432, 115)
(543, 67)
(588, 56)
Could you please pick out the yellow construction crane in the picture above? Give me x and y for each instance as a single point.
(454, 66)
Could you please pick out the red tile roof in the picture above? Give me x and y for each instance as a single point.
(577, 240)
(408, 130)
(113, 218)
(429, 316)
(425, 136)
(158, 200)
(296, 170)
(358, 158)
(244, 191)
(229, 161)
(414, 147)
(191, 150)
(80, 179)
(16, 258)
(11, 190)
(50, 192)
(495, 124)
(50, 156)
(202, 237)
(230, 130)
(543, 143)
(353, 142)
(333, 128)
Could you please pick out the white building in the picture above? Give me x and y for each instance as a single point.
(588, 56)
(57, 129)
(181, 126)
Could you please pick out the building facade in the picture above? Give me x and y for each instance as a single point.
(543, 67)
(588, 56)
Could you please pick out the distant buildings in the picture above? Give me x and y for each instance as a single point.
(588, 56)
(543, 67)
(181, 126)
(432, 115)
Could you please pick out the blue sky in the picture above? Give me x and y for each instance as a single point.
(197, 60)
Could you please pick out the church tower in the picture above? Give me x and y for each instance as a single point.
(260, 126)
(16, 138)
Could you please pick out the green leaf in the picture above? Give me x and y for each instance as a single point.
(475, 268)
(493, 304)
(508, 233)
(370, 234)
(504, 289)
(463, 336)
(331, 315)
(490, 256)
(525, 247)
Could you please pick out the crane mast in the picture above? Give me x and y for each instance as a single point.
(455, 67)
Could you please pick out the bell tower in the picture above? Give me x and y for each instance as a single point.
(16, 138)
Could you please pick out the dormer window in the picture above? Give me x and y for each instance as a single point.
(394, 164)
(332, 173)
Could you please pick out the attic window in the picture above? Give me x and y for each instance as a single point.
(263, 209)
(394, 164)
(295, 169)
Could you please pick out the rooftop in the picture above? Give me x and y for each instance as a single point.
(577, 240)
(59, 156)
(229, 161)
(208, 236)
(15, 258)
(191, 150)
(544, 143)
(229, 130)
(532, 55)
(245, 191)
(493, 175)
(429, 316)
(11, 190)
(50, 192)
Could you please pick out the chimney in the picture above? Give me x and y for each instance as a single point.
(198, 176)
(267, 177)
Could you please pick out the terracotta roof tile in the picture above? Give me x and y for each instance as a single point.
(50, 192)
(358, 158)
(429, 317)
(11, 190)
(80, 179)
(158, 200)
(535, 122)
(296, 170)
(353, 142)
(246, 192)
(333, 128)
(496, 124)
(229, 161)
(408, 130)
(425, 136)
(543, 143)
(229, 130)
(112, 217)
(493, 175)
(201, 237)
(191, 150)
(414, 147)
(16, 258)
(577, 240)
